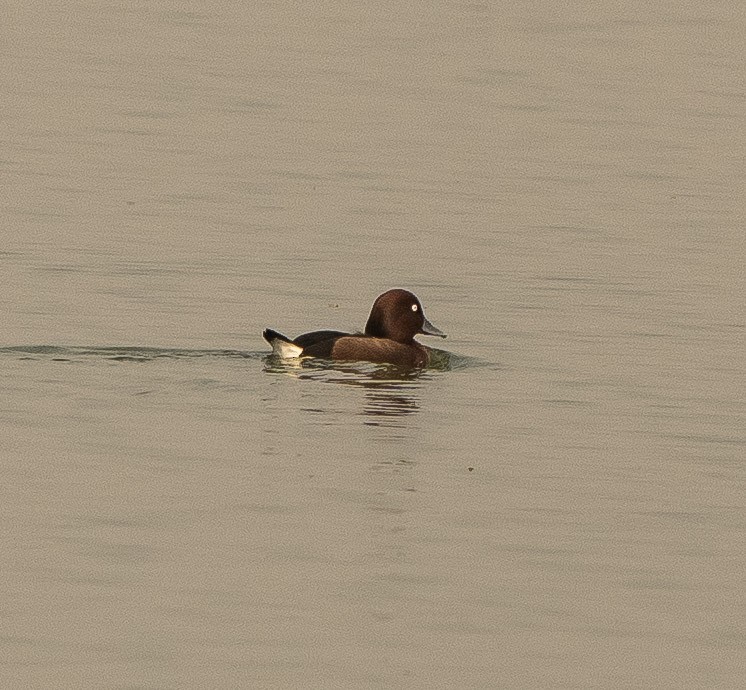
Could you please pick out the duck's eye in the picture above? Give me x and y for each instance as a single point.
(415, 307)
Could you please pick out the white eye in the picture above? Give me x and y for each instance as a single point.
(414, 307)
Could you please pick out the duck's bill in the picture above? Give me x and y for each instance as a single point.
(429, 329)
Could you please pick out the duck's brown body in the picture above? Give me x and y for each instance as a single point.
(395, 319)
(380, 350)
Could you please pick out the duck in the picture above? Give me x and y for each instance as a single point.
(395, 319)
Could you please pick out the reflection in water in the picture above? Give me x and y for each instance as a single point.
(381, 406)
(440, 360)
(390, 391)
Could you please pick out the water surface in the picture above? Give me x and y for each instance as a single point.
(559, 503)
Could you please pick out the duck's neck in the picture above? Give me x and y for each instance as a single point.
(374, 327)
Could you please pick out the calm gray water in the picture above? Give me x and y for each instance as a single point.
(561, 504)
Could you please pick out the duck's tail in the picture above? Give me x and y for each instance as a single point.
(282, 346)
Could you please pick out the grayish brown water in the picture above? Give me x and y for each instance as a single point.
(562, 505)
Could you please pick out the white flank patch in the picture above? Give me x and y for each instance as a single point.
(286, 350)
